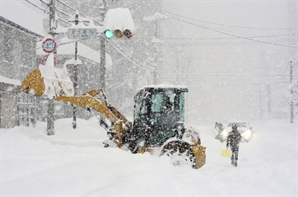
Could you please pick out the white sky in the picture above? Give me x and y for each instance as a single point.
(214, 96)
(219, 66)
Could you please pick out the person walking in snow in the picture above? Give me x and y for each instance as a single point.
(233, 141)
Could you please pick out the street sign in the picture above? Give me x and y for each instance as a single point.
(44, 60)
(81, 33)
(49, 45)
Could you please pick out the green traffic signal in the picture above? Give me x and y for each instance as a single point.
(108, 33)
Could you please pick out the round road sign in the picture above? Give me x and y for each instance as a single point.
(49, 45)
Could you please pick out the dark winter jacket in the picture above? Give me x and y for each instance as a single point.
(233, 139)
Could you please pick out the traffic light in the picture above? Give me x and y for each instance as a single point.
(117, 33)
(127, 33)
(118, 23)
(108, 34)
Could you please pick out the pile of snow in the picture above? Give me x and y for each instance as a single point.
(56, 80)
(9, 81)
(75, 163)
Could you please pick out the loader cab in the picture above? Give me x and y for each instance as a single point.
(158, 114)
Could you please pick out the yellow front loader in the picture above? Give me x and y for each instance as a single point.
(158, 125)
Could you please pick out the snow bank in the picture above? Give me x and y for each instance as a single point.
(75, 163)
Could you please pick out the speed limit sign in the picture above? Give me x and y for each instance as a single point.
(49, 45)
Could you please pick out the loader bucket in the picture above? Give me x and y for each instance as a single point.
(48, 82)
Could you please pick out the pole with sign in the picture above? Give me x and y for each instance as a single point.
(78, 34)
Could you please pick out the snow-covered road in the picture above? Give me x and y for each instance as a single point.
(74, 163)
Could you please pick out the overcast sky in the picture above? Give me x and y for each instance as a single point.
(205, 50)
(229, 75)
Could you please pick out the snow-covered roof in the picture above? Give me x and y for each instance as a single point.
(10, 81)
(22, 15)
(67, 47)
(166, 86)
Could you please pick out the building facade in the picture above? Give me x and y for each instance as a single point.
(17, 59)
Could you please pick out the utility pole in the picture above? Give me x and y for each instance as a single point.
(261, 108)
(75, 77)
(291, 104)
(51, 103)
(75, 70)
(102, 66)
(269, 100)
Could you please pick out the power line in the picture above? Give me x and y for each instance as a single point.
(131, 59)
(72, 8)
(191, 39)
(235, 84)
(81, 13)
(234, 26)
(227, 75)
(86, 5)
(37, 6)
(234, 35)
(139, 55)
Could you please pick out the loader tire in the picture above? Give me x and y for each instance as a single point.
(180, 153)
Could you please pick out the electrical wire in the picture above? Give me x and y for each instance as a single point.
(234, 26)
(137, 54)
(72, 8)
(86, 5)
(227, 75)
(233, 38)
(45, 11)
(131, 59)
(234, 35)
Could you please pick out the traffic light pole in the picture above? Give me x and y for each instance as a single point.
(102, 66)
(291, 104)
